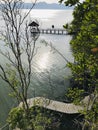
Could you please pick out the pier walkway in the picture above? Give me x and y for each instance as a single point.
(68, 108)
(52, 31)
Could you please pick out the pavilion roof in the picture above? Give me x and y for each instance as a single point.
(34, 24)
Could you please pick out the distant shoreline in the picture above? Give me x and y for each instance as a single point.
(44, 5)
(49, 9)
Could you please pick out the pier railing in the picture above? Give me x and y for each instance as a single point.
(52, 31)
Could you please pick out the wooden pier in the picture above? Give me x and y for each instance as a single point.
(53, 31)
(50, 31)
(68, 108)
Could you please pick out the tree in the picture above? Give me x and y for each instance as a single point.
(85, 67)
(69, 2)
(15, 36)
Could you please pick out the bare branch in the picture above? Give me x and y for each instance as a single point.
(17, 42)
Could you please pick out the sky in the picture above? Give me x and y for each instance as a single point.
(48, 1)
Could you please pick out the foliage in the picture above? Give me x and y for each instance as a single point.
(85, 67)
(17, 118)
(91, 117)
(40, 119)
(75, 95)
(69, 2)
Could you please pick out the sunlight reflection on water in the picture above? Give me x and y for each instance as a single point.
(43, 61)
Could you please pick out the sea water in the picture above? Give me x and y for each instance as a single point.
(50, 76)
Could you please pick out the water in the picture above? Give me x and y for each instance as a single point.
(48, 67)
(47, 18)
